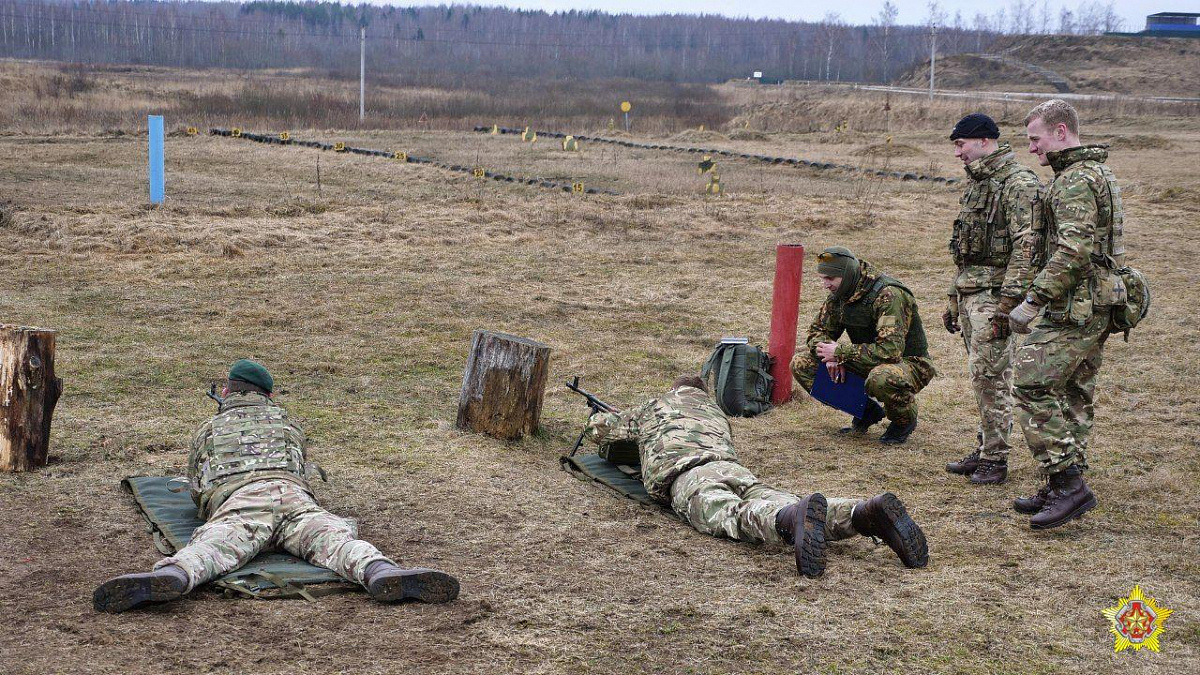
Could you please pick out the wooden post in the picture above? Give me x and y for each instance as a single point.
(28, 393)
(503, 385)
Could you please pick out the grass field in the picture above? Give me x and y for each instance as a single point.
(361, 299)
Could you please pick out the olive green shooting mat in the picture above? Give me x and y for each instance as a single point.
(171, 517)
(598, 470)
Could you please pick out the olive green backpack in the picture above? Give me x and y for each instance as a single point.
(739, 377)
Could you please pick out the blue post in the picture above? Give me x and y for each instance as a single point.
(157, 171)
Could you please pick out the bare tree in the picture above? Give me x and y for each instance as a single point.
(885, 20)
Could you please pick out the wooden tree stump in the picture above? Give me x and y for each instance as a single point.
(28, 393)
(503, 385)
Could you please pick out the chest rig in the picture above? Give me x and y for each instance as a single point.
(981, 234)
(858, 318)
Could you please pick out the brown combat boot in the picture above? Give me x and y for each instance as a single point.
(133, 590)
(807, 518)
(884, 517)
(989, 472)
(965, 466)
(1069, 498)
(388, 583)
(1031, 505)
(872, 414)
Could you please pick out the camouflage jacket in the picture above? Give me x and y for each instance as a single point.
(674, 433)
(991, 242)
(893, 311)
(250, 439)
(1083, 221)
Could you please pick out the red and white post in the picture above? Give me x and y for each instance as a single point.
(785, 313)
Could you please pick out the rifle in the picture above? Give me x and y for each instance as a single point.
(594, 403)
(212, 393)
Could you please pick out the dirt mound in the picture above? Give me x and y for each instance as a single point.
(747, 135)
(698, 136)
(888, 150)
(1091, 64)
(1140, 142)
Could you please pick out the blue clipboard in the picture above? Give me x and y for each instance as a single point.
(849, 396)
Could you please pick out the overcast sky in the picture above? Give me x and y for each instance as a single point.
(911, 11)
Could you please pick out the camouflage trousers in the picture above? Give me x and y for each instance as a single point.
(724, 499)
(1054, 379)
(989, 364)
(894, 385)
(276, 514)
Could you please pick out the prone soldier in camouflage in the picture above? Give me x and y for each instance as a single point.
(247, 474)
(688, 461)
(1078, 249)
(887, 342)
(992, 256)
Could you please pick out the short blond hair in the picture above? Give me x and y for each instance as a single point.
(1053, 113)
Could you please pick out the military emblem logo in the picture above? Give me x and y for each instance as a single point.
(1136, 621)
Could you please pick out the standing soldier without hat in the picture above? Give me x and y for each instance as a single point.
(992, 255)
(1055, 370)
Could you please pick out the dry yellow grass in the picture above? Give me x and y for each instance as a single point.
(362, 301)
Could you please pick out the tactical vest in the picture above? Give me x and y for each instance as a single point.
(859, 319)
(247, 438)
(981, 235)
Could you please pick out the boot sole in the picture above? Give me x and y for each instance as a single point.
(961, 472)
(988, 482)
(421, 585)
(120, 594)
(906, 537)
(810, 536)
(1077, 513)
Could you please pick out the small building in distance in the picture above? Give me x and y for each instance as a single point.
(1172, 24)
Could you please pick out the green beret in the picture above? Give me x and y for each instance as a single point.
(836, 261)
(253, 373)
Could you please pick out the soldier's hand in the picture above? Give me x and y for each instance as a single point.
(950, 316)
(950, 321)
(837, 372)
(1021, 316)
(827, 352)
(1000, 326)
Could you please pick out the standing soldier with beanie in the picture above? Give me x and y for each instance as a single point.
(990, 246)
(887, 342)
(1071, 299)
(247, 474)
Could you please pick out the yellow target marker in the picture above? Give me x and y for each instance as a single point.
(402, 156)
(626, 106)
(285, 136)
(570, 144)
(701, 128)
(529, 136)
(339, 147)
(612, 124)
(577, 188)
(495, 129)
(236, 132)
(706, 165)
(889, 140)
(478, 172)
(192, 131)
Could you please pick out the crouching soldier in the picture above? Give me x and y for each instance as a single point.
(688, 461)
(887, 342)
(246, 470)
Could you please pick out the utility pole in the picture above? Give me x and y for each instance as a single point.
(363, 72)
(932, 57)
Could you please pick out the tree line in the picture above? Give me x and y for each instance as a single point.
(459, 44)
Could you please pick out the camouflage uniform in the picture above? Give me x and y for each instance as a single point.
(246, 469)
(688, 461)
(991, 252)
(1077, 247)
(887, 347)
